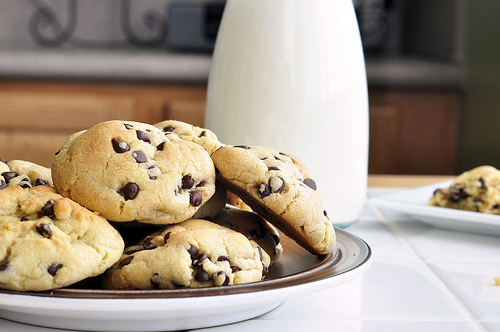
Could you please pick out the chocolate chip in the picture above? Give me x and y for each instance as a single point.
(168, 129)
(143, 136)
(25, 185)
(482, 183)
(226, 280)
(201, 275)
(235, 269)
(4, 266)
(265, 270)
(24, 219)
(326, 214)
(127, 261)
(148, 244)
(203, 133)
(3, 184)
(153, 172)
(284, 154)
(264, 190)
(457, 194)
(155, 282)
(193, 251)
(199, 259)
(260, 253)
(48, 209)
(40, 182)
(118, 146)
(9, 175)
(277, 184)
(195, 198)
(277, 158)
(57, 152)
(178, 285)
(242, 147)
(223, 258)
(128, 126)
(130, 190)
(187, 182)
(166, 237)
(161, 146)
(52, 269)
(437, 191)
(201, 184)
(139, 156)
(273, 168)
(310, 183)
(44, 229)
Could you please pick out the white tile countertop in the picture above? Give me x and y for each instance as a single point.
(422, 278)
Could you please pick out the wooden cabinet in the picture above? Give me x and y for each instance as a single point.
(37, 117)
(411, 131)
(414, 131)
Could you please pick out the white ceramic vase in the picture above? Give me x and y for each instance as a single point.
(290, 74)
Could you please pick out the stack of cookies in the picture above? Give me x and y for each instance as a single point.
(161, 206)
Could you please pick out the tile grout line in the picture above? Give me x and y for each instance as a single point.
(458, 303)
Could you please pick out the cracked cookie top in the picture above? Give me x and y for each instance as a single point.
(127, 171)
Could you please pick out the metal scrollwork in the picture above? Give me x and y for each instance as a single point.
(153, 20)
(47, 30)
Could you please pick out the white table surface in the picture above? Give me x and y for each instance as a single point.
(422, 279)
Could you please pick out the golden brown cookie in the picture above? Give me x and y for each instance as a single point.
(273, 184)
(474, 190)
(24, 173)
(129, 171)
(194, 253)
(48, 241)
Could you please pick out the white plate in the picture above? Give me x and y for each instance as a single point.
(297, 272)
(413, 202)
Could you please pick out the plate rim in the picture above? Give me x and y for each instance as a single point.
(393, 201)
(317, 273)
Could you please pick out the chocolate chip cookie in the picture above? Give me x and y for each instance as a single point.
(23, 173)
(204, 137)
(475, 190)
(194, 253)
(253, 226)
(274, 185)
(48, 241)
(129, 171)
